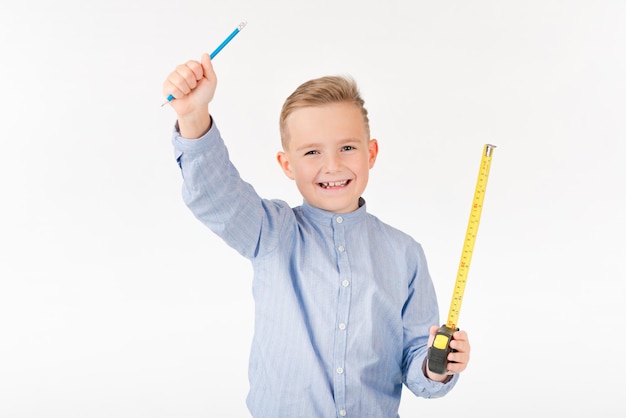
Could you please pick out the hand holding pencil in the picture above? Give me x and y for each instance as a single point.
(190, 88)
(192, 84)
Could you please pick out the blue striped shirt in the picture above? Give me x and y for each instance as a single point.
(343, 302)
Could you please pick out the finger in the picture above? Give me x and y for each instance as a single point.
(458, 357)
(176, 86)
(171, 88)
(431, 334)
(207, 67)
(460, 335)
(183, 79)
(185, 74)
(454, 368)
(196, 68)
(460, 345)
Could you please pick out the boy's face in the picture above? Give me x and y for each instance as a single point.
(329, 155)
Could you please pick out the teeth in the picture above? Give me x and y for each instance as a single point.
(334, 184)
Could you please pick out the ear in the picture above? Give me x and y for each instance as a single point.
(373, 151)
(283, 161)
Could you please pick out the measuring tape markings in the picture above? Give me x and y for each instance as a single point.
(470, 236)
(438, 353)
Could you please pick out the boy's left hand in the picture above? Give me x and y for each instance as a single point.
(457, 360)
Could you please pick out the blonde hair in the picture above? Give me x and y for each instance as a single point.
(318, 92)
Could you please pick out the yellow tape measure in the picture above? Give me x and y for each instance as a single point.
(438, 353)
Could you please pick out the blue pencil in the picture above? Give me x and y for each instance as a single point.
(217, 51)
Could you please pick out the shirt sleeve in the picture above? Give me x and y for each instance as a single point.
(217, 196)
(420, 312)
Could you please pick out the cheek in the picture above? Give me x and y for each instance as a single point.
(363, 162)
(305, 168)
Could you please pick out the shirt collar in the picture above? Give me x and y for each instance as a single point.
(321, 215)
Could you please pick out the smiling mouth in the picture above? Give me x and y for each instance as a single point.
(333, 184)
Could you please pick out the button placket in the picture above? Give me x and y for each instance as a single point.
(343, 311)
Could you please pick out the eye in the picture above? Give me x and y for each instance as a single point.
(312, 152)
(348, 148)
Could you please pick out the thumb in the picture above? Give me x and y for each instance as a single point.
(207, 67)
(432, 331)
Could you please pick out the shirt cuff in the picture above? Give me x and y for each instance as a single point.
(201, 144)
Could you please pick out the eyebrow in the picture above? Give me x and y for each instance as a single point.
(319, 144)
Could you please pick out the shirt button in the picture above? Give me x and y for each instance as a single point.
(339, 219)
(339, 370)
(342, 326)
(345, 283)
(341, 248)
(343, 412)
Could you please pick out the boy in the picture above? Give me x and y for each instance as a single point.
(345, 309)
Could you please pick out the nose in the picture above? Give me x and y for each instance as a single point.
(331, 163)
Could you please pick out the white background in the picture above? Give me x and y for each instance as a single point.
(116, 302)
